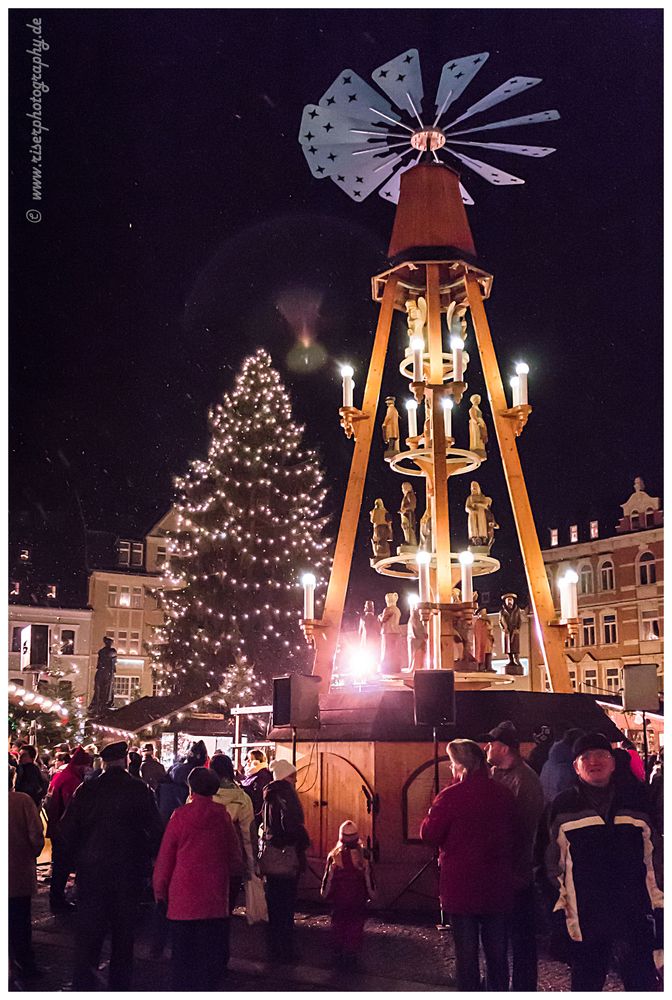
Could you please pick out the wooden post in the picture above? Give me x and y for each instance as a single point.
(325, 646)
(551, 638)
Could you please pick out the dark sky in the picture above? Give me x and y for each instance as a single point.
(178, 212)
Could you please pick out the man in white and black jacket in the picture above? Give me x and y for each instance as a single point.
(604, 855)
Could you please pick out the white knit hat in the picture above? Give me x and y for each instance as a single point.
(347, 829)
(282, 769)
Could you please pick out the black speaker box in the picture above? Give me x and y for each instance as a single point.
(296, 701)
(34, 647)
(640, 687)
(434, 697)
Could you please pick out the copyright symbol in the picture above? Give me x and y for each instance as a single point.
(33, 215)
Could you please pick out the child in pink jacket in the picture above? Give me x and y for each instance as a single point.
(348, 885)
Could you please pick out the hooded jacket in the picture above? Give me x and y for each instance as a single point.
(558, 773)
(62, 787)
(239, 807)
(199, 849)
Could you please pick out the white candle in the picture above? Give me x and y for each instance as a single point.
(466, 562)
(447, 404)
(417, 346)
(569, 604)
(522, 371)
(308, 582)
(515, 390)
(348, 385)
(423, 560)
(457, 346)
(412, 408)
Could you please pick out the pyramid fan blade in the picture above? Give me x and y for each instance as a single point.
(390, 191)
(359, 179)
(327, 127)
(400, 79)
(507, 147)
(536, 118)
(456, 77)
(466, 197)
(516, 85)
(491, 174)
(327, 160)
(354, 98)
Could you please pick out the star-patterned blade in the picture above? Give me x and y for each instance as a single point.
(354, 98)
(506, 147)
(327, 160)
(390, 190)
(466, 197)
(537, 118)
(322, 127)
(516, 85)
(401, 80)
(359, 180)
(491, 174)
(455, 78)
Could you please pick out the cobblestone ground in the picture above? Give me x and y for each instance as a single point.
(402, 953)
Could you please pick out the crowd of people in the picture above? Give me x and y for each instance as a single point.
(570, 845)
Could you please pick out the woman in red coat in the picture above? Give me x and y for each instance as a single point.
(474, 825)
(199, 848)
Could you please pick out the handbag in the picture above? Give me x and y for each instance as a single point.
(280, 862)
(256, 910)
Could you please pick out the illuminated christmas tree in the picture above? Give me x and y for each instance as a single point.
(250, 522)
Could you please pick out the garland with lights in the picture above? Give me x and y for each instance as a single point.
(57, 718)
(250, 522)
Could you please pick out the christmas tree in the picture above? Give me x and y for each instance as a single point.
(249, 523)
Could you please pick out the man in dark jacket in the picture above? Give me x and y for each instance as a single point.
(29, 778)
(112, 829)
(604, 854)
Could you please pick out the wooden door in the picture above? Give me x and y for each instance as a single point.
(332, 790)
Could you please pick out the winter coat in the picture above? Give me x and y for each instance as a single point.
(637, 765)
(151, 772)
(523, 782)
(62, 787)
(239, 807)
(283, 817)
(558, 772)
(112, 830)
(347, 882)
(254, 785)
(26, 841)
(29, 779)
(199, 849)
(170, 795)
(475, 825)
(608, 870)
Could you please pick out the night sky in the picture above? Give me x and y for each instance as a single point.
(181, 228)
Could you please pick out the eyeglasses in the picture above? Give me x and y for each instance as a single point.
(595, 755)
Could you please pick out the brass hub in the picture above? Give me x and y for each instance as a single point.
(424, 137)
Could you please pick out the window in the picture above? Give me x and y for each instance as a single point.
(65, 690)
(16, 638)
(156, 687)
(586, 579)
(161, 555)
(647, 569)
(650, 626)
(634, 520)
(648, 517)
(573, 532)
(111, 596)
(126, 688)
(134, 644)
(136, 554)
(124, 553)
(590, 679)
(67, 642)
(607, 575)
(51, 591)
(125, 597)
(122, 636)
(588, 630)
(613, 679)
(609, 628)
(24, 555)
(15, 589)
(137, 601)
(572, 677)
(554, 536)
(594, 529)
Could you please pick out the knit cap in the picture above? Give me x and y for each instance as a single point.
(347, 830)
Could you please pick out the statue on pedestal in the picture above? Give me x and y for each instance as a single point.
(510, 621)
(391, 655)
(416, 310)
(484, 640)
(369, 632)
(481, 522)
(391, 428)
(478, 432)
(382, 530)
(407, 511)
(416, 635)
(103, 685)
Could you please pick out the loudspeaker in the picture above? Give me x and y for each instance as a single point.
(34, 647)
(296, 701)
(434, 697)
(640, 687)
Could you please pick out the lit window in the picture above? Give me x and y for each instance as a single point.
(112, 596)
(25, 555)
(613, 679)
(137, 601)
(51, 591)
(134, 644)
(136, 554)
(586, 580)
(554, 536)
(647, 569)
(125, 597)
(594, 529)
(16, 588)
(161, 555)
(588, 630)
(125, 688)
(634, 520)
(590, 678)
(573, 532)
(572, 677)
(607, 576)
(122, 636)
(124, 553)
(650, 626)
(67, 642)
(609, 629)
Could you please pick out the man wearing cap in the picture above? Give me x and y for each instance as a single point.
(113, 829)
(604, 856)
(152, 770)
(509, 768)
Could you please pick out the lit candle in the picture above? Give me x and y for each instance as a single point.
(417, 346)
(412, 408)
(515, 389)
(569, 606)
(423, 560)
(447, 404)
(348, 385)
(308, 582)
(522, 371)
(466, 562)
(457, 345)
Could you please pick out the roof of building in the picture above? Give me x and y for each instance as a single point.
(138, 714)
